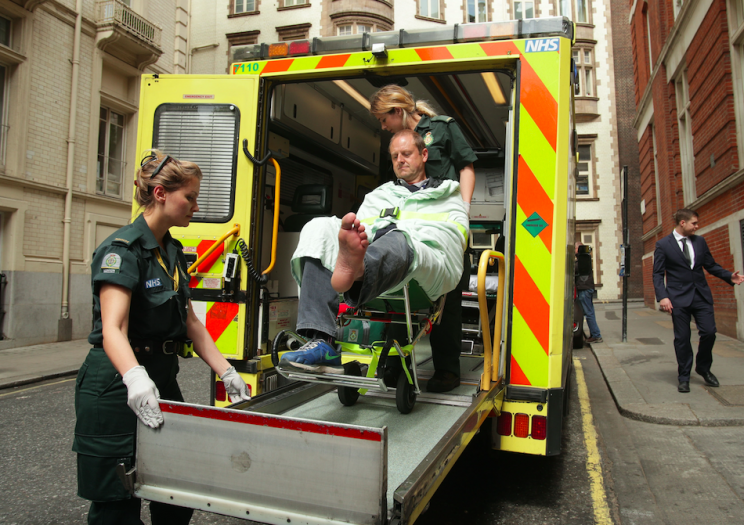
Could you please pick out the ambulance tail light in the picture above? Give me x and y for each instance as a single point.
(539, 427)
(521, 425)
(504, 424)
(299, 47)
(220, 394)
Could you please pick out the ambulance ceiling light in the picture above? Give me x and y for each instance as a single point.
(353, 93)
(492, 83)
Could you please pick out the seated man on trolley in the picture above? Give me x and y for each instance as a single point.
(415, 228)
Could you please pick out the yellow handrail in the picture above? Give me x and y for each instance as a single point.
(235, 231)
(277, 195)
(491, 355)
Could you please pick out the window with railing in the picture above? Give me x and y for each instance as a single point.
(118, 13)
(109, 175)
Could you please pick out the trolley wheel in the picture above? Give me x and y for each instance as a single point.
(405, 395)
(348, 395)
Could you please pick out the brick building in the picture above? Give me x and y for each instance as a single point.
(604, 103)
(67, 146)
(689, 94)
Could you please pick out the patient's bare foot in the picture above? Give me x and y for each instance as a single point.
(352, 245)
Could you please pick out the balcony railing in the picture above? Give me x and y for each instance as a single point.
(116, 13)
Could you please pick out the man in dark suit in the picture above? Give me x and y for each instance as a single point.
(682, 256)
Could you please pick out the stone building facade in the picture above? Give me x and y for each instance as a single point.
(688, 59)
(67, 146)
(604, 113)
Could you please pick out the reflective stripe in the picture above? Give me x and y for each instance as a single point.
(412, 215)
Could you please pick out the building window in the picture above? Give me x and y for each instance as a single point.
(347, 27)
(656, 176)
(109, 175)
(586, 234)
(585, 169)
(524, 9)
(647, 36)
(577, 10)
(244, 6)
(686, 152)
(583, 56)
(476, 11)
(293, 32)
(5, 31)
(429, 8)
(292, 3)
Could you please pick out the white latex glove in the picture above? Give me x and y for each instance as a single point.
(235, 386)
(142, 396)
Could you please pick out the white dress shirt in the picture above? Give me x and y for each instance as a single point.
(679, 238)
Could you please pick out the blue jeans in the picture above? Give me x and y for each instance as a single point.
(585, 297)
(386, 264)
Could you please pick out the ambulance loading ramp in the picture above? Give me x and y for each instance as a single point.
(302, 457)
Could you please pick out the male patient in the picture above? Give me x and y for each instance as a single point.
(415, 228)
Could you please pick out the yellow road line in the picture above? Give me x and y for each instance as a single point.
(35, 387)
(593, 460)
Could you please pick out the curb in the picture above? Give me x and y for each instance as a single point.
(631, 404)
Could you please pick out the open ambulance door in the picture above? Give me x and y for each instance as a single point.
(205, 119)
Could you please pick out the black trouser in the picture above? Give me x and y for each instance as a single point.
(446, 337)
(705, 320)
(127, 512)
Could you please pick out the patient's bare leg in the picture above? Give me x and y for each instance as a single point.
(352, 245)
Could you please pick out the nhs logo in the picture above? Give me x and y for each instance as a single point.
(540, 45)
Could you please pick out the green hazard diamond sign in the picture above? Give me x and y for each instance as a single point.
(535, 224)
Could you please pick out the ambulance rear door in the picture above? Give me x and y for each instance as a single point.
(204, 119)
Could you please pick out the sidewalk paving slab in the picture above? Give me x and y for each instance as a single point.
(642, 372)
(29, 364)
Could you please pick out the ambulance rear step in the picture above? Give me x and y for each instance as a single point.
(299, 456)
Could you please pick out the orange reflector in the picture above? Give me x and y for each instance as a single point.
(503, 424)
(278, 50)
(299, 47)
(539, 427)
(522, 425)
(220, 394)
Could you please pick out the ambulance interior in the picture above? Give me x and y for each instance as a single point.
(332, 151)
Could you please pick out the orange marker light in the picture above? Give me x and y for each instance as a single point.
(278, 50)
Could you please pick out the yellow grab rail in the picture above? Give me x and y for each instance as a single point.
(491, 355)
(235, 231)
(275, 230)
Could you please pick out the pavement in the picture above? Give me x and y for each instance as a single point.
(641, 373)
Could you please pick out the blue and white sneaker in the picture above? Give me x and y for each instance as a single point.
(315, 356)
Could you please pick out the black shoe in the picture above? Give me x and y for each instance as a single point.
(442, 382)
(709, 378)
(684, 387)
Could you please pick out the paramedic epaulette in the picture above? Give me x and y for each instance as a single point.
(126, 237)
(442, 118)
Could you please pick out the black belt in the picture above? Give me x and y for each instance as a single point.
(151, 346)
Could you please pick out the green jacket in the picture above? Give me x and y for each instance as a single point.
(449, 152)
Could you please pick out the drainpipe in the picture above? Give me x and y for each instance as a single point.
(199, 48)
(64, 327)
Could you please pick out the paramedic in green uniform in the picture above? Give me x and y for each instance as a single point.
(142, 316)
(450, 157)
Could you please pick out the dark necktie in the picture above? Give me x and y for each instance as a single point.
(686, 251)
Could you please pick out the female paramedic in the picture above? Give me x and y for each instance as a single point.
(142, 316)
(450, 157)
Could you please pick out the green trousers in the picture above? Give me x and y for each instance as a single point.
(105, 434)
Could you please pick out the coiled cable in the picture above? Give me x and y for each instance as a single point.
(245, 253)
